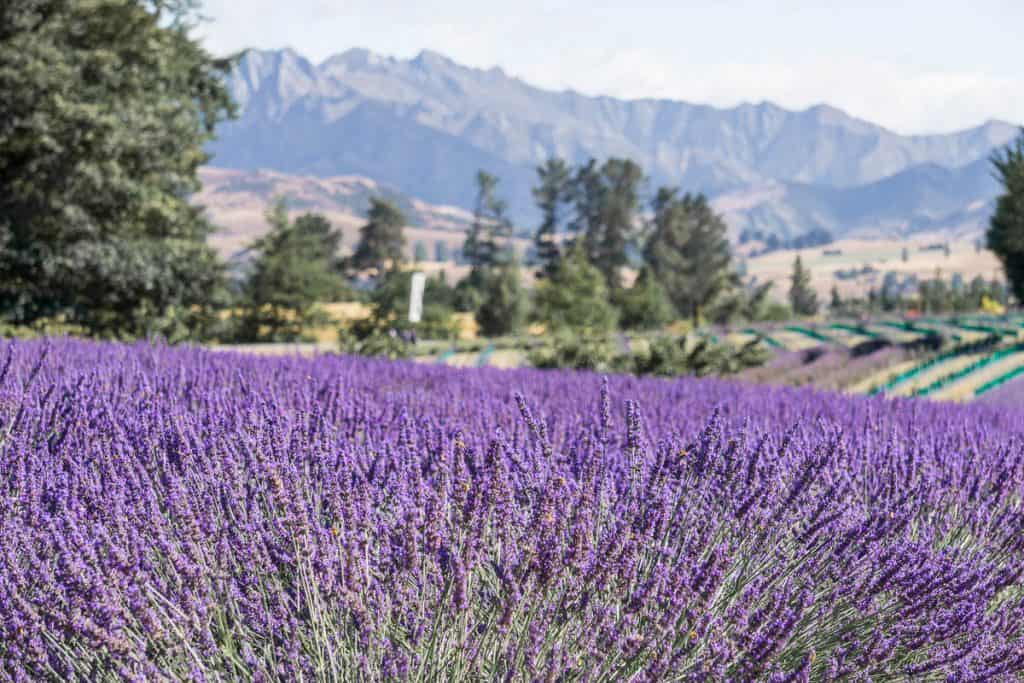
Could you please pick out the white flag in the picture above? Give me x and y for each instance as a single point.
(419, 281)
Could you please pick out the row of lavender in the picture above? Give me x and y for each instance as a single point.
(177, 514)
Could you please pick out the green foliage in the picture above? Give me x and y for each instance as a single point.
(487, 244)
(469, 292)
(106, 108)
(665, 356)
(802, 296)
(737, 301)
(645, 305)
(390, 302)
(295, 267)
(373, 336)
(674, 356)
(387, 330)
(689, 251)
(382, 240)
(504, 306)
(577, 352)
(607, 201)
(776, 312)
(554, 189)
(1006, 228)
(576, 296)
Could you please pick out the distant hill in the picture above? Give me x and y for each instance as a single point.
(236, 202)
(424, 126)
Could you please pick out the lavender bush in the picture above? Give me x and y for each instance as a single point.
(177, 514)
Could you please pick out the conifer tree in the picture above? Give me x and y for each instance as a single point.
(551, 194)
(802, 297)
(382, 239)
(1006, 228)
(689, 252)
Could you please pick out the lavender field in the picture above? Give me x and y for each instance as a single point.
(175, 514)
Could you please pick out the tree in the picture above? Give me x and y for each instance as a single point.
(382, 240)
(836, 304)
(503, 307)
(390, 306)
(689, 251)
(487, 243)
(891, 293)
(552, 192)
(802, 296)
(295, 267)
(575, 297)
(645, 305)
(1006, 228)
(105, 109)
(607, 200)
(905, 255)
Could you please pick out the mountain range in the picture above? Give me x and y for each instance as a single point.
(424, 126)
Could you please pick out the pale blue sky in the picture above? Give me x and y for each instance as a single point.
(924, 66)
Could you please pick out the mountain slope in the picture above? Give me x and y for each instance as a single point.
(236, 202)
(427, 124)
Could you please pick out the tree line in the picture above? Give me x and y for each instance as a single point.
(106, 108)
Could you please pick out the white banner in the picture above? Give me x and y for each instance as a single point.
(419, 281)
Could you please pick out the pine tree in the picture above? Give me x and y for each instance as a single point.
(382, 239)
(1006, 228)
(576, 296)
(802, 296)
(606, 200)
(294, 269)
(836, 304)
(622, 179)
(689, 251)
(645, 305)
(503, 308)
(487, 243)
(551, 193)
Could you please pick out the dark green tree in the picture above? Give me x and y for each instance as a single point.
(503, 307)
(607, 200)
(575, 297)
(295, 267)
(105, 109)
(487, 243)
(552, 192)
(645, 305)
(382, 240)
(802, 296)
(836, 304)
(1006, 229)
(688, 249)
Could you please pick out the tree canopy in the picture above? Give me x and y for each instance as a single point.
(576, 296)
(1006, 229)
(296, 266)
(802, 296)
(105, 108)
(689, 251)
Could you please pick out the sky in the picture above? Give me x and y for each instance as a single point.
(914, 66)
